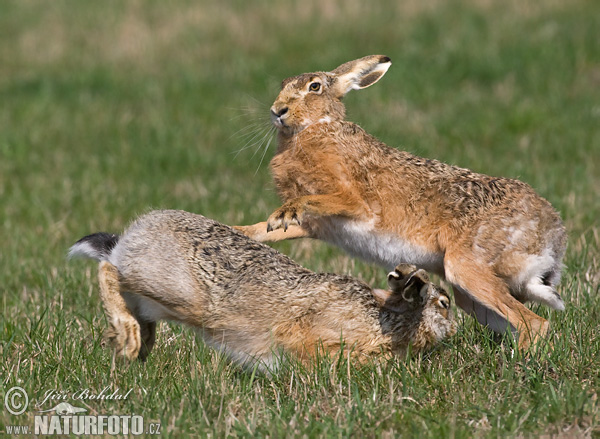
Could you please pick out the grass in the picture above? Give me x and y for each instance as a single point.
(112, 108)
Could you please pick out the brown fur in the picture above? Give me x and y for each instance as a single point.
(249, 300)
(494, 239)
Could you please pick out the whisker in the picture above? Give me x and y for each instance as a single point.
(249, 111)
(256, 107)
(256, 100)
(271, 132)
(257, 139)
(248, 130)
(257, 133)
(262, 140)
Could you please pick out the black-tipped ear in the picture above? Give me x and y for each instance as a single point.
(397, 278)
(415, 288)
(394, 276)
(360, 73)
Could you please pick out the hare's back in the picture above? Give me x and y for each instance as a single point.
(177, 250)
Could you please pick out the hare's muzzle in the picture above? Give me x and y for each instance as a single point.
(278, 116)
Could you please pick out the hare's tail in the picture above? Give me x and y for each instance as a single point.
(96, 246)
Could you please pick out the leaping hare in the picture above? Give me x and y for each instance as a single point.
(494, 239)
(249, 300)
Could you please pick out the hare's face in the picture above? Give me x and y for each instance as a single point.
(414, 310)
(439, 301)
(437, 315)
(438, 322)
(306, 100)
(313, 98)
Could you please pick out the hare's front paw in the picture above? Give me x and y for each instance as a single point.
(287, 215)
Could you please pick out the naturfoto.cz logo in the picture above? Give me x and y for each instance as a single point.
(67, 419)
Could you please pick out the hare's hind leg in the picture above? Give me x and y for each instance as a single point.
(137, 306)
(148, 333)
(485, 296)
(124, 332)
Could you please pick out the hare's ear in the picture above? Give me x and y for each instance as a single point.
(397, 278)
(360, 73)
(416, 287)
(409, 282)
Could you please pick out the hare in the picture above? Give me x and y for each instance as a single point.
(494, 239)
(249, 300)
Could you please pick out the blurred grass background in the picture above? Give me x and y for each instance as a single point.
(109, 109)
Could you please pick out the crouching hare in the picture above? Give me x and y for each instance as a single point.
(249, 300)
(494, 239)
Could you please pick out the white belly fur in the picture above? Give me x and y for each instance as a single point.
(360, 239)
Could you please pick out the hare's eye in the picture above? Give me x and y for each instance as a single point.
(314, 86)
(444, 302)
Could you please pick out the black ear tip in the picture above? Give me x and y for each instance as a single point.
(393, 275)
(385, 59)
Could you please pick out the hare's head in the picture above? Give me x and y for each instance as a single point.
(414, 310)
(317, 97)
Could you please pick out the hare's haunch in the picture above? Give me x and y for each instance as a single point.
(249, 300)
(497, 241)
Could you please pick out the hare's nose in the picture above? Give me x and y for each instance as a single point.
(278, 112)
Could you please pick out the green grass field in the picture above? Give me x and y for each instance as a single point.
(109, 109)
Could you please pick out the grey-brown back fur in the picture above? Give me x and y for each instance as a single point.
(250, 300)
